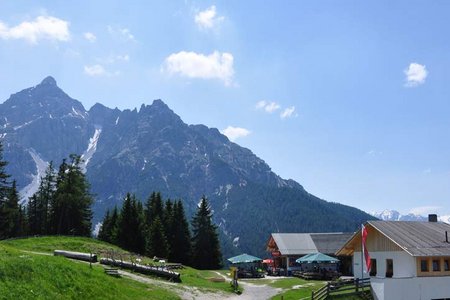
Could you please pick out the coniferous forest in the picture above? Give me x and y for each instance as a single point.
(160, 228)
(62, 206)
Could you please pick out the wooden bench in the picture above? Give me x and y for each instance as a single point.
(112, 272)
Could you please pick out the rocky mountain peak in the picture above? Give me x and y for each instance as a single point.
(49, 80)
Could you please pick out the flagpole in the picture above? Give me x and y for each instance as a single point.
(362, 253)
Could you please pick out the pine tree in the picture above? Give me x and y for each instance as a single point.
(205, 241)
(168, 225)
(71, 205)
(154, 208)
(23, 222)
(32, 215)
(181, 240)
(104, 232)
(4, 192)
(156, 241)
(109, 228)
(45, 196)
(40, 203)
(4, 182)
(11, 213)
(131, 226)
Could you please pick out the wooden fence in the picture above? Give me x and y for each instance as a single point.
(352, 286)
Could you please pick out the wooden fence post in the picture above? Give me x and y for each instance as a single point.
(328, 289)
(312, 295)
(357, 284)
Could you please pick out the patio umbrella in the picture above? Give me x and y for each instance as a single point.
(317, 257)
(243, 258)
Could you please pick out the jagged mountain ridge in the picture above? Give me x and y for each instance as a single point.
(393, 215)
(149, 149)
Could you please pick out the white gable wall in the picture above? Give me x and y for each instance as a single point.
(404, 264)
(417, 288)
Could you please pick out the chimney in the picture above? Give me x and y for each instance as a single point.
(432, 218)
(446, 236)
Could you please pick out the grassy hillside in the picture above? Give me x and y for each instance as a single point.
(28, 270)
(24, 275)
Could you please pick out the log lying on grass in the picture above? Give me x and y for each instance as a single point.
(76, 255)
(156, 271)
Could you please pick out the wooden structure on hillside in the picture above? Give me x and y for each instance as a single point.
(155, 271)
(285, 248)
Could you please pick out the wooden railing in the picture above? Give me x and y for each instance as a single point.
(352, 286)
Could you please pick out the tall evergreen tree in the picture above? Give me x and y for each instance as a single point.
(32, 215)
(4, 192)
(11, 214)
(205, 241)
(131, 226)
(156, 240)
(181, 240)
(109, 229)
(40, 203)
(104, 232)
(154, 208)
(168, 225)
(72, 201)
(5, 185)
(23, 222)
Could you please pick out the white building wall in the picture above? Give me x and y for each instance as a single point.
(404, 264)
(416, 288)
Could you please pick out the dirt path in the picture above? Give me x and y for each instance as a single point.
(186, 293)
(253, 291)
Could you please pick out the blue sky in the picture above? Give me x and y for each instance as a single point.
(349, 98)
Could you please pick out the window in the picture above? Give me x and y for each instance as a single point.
(436, 265)
(424, 265)
(373, 267)
(389, 268)
(446, 265)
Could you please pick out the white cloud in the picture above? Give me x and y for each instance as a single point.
(425, 210)
(208, 18)
(195, 65)
(373, 152)
(111, 59)
(288, 113)
(43, 27)
(98, 70)
(234, 133)
(122, 33)
(90, 37)
(269, 107)
(415, 74)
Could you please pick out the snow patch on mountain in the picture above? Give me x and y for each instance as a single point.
(92, 147)
(236, 242)
(32, 188)
(77, 113)
(25, 124)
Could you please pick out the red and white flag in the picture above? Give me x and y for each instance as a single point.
(363, 244)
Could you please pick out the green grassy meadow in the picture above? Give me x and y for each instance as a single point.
(30, 276)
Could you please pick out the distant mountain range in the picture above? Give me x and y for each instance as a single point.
(393, 215)
(152, 149)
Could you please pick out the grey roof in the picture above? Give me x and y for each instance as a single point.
(306, 243)
(417, 238)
